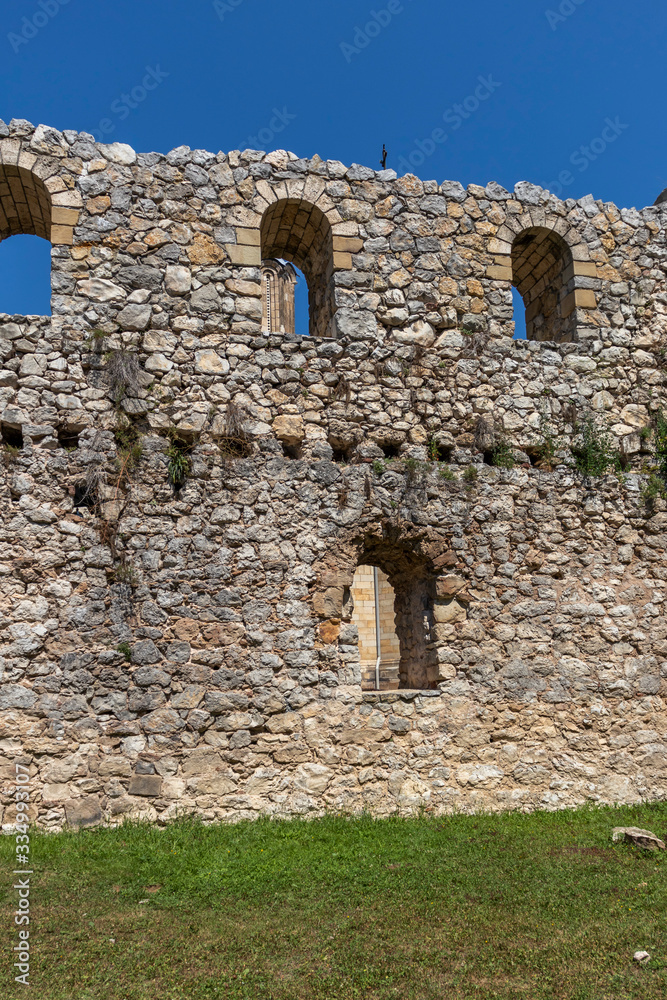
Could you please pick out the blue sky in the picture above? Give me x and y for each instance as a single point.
(339, 79)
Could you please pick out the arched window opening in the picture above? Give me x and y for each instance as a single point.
(379, 648)
(297, 233)
(25, 265)
(301, 317)
(393, 595)
(278, 285)
(25, 276)
(542, 274)
(519, 316)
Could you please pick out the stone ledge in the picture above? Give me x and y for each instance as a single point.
(403, 694)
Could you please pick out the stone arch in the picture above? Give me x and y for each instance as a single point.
(297, 231)
(542, 270)
(25, 203)
(26, 210)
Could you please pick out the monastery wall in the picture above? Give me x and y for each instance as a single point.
(186, 499)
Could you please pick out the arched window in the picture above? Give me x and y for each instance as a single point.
(300, 233)
(278, 288)
(393, 596)
(542, 273)
(25, 210)
(379, 649)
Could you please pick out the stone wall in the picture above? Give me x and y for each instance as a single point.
(190, 498)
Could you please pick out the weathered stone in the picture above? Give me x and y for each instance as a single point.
(145, 784)
(84, 811)
(134, 317)
(210, 363)
(640, 838)
(289, 429)
(177, 280)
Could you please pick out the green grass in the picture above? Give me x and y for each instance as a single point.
(529, 906)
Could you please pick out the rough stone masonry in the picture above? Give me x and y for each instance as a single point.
(185, 499)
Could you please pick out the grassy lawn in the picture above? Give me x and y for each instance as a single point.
(531, 906)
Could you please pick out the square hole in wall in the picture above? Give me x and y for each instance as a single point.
(11, 435)
(67, 438)
(343, 456)
(85, 495)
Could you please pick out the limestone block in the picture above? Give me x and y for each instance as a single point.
(114, 766)
(413, 793)
(121, 153)
(449, 612)
(100, 290)
(289, 429)
(145, 784)
(330, 603)
(639, 837)
(135, 317)
(449, 586)
(312, 777)
(16, 696)
(163, 720)
(247, 256)
(159, 363)
(210, 363)
(635, 415)
(212, 784)
(602, 400)
(420, 332)
(486, 775)
(177, 279)
(355, 324)
(287, 722)
(85, 811)
(205, 250)
(295, 753)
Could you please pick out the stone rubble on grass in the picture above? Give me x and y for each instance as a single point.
(640, 838)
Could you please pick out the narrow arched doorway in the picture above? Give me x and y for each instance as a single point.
(374, 615)
(543, 275)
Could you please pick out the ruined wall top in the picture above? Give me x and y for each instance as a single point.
(162, 253)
